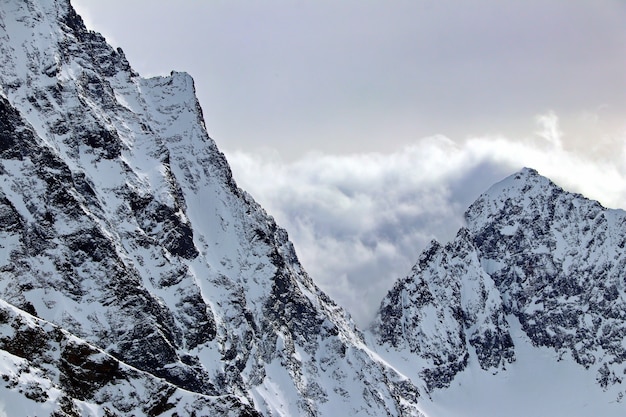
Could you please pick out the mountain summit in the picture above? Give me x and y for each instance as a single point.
(536, 271)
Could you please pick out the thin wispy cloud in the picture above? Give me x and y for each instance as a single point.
(359, 221)
(550, 130)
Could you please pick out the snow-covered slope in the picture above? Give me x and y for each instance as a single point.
(529, 298)
(124, 237)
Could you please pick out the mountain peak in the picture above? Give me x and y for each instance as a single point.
(525, 192)
(519, 184)
(540, 265)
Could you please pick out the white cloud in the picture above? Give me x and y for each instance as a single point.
(550, 129)
(359, 221)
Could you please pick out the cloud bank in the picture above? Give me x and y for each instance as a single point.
(359, 221)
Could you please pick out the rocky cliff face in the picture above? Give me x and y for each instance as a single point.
(447, 306)
(550, 260)
(152, 284)
(559, 261)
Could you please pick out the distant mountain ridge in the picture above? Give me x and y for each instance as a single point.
(552, 260)
(136, 278)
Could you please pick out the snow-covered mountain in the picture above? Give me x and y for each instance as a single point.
(538, 272)
(136, 278)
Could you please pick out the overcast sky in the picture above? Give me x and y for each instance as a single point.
(367, 127)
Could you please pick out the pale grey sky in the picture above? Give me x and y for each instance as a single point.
(367, 127)
(356, 75)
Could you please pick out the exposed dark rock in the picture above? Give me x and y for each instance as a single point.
(14, 135)
(164, 224)
(86, 370)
